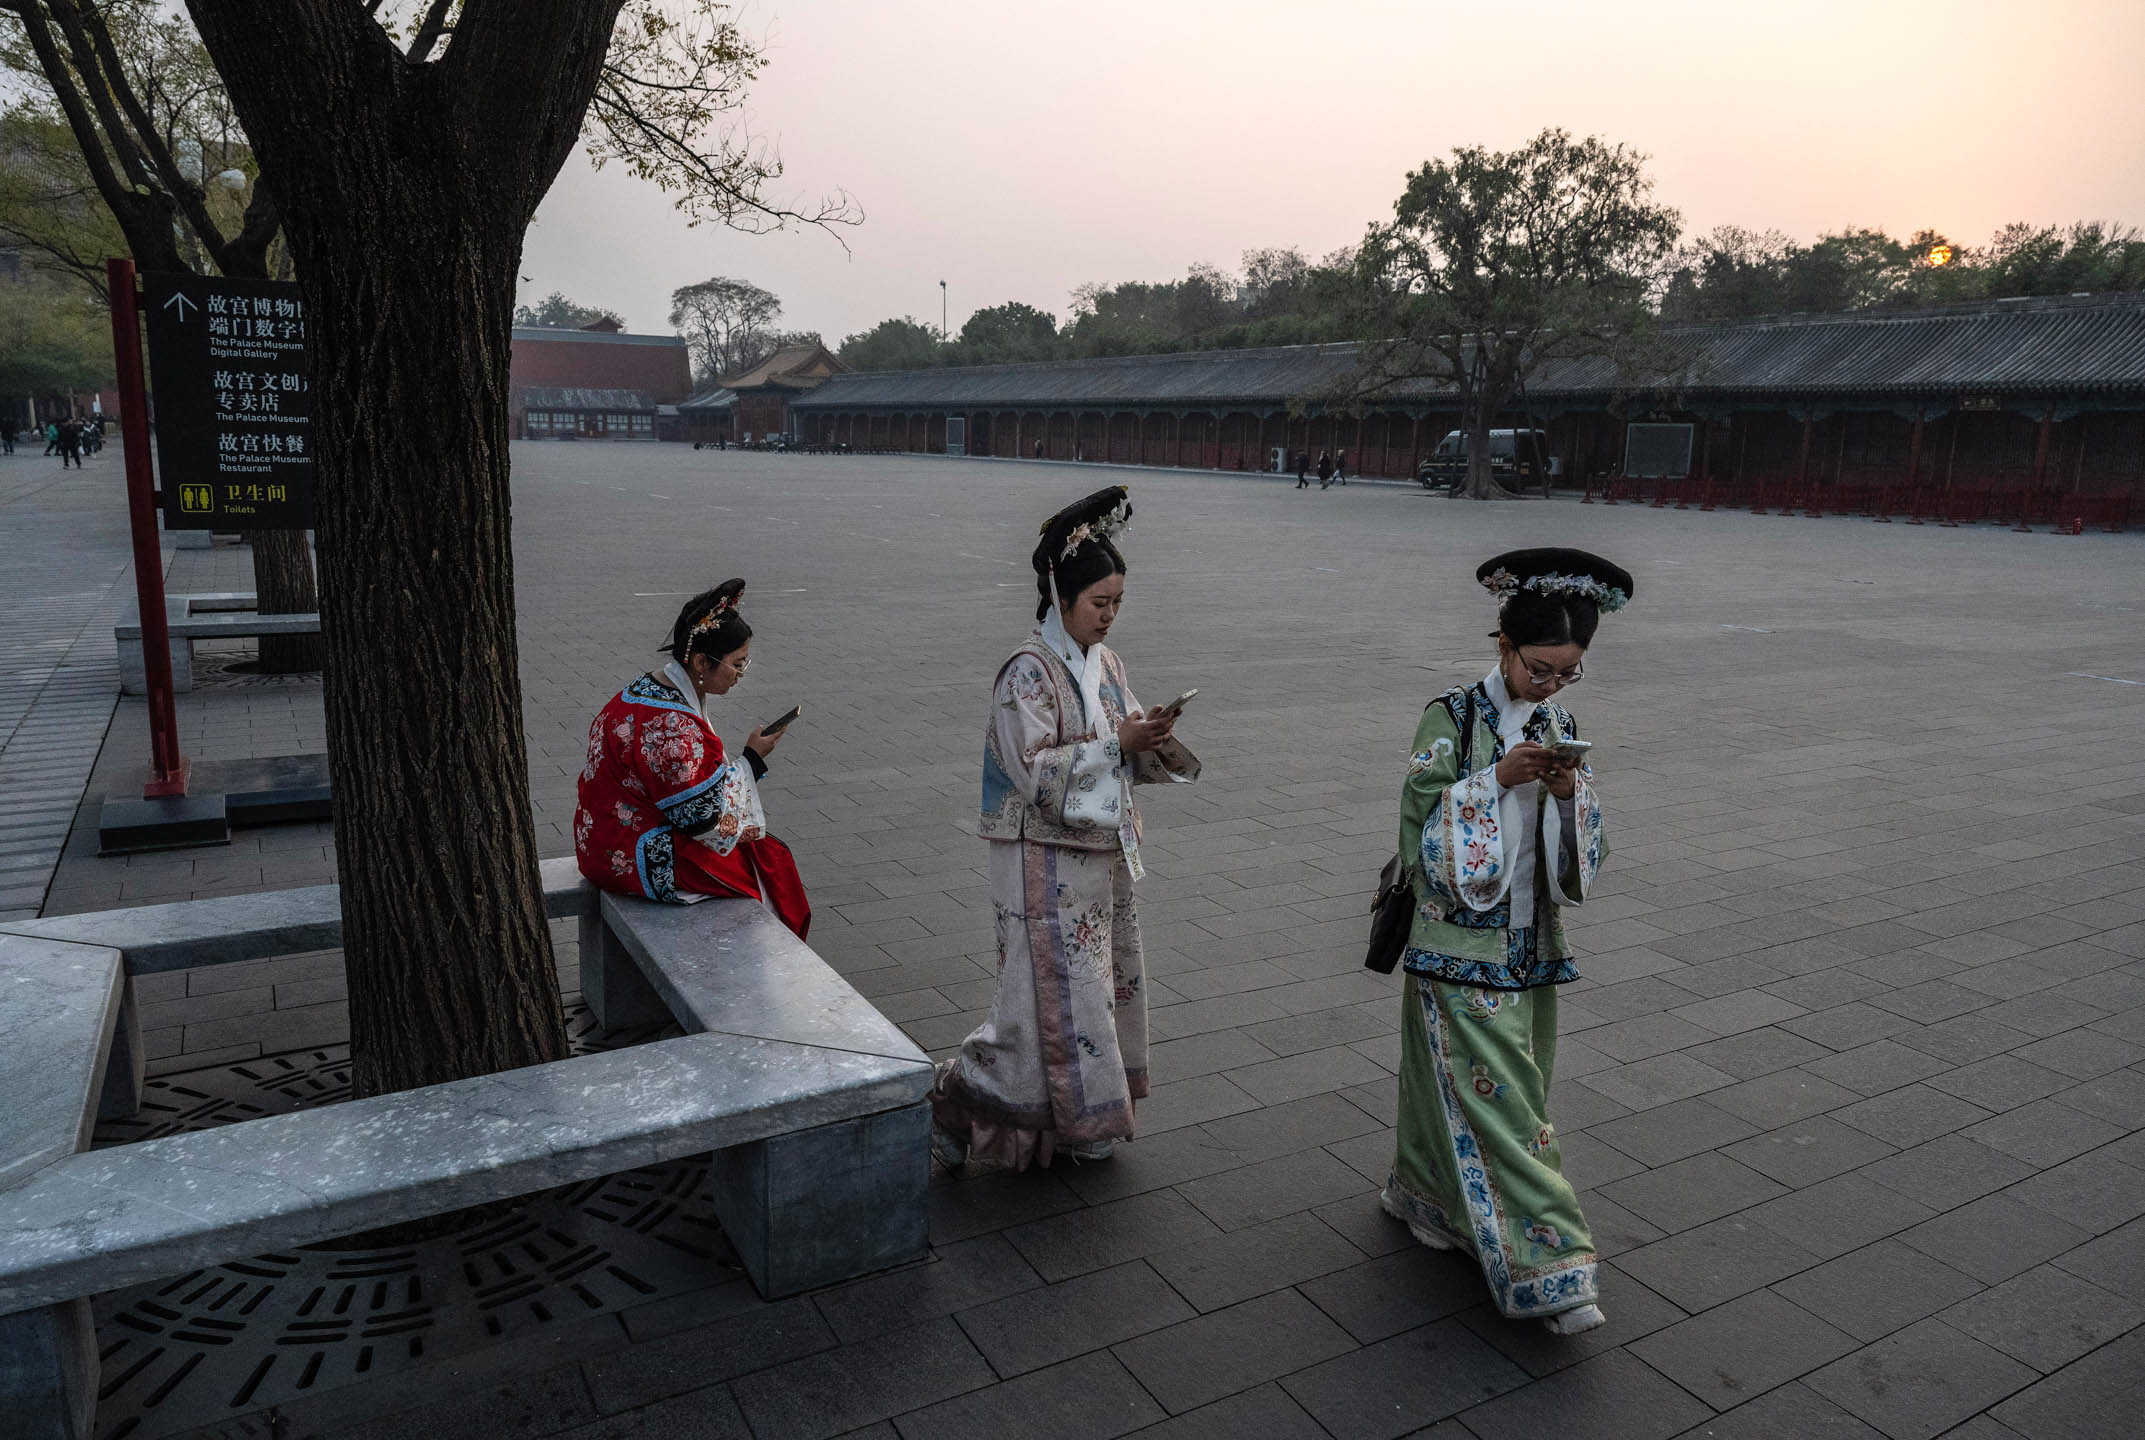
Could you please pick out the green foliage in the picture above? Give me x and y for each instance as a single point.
(902, 344)
(1731, 273)
(116, 106)
(1008, 334)
(49, 208)
(54, 337)
(1281, 299)
(557, 312)
(1497, 262)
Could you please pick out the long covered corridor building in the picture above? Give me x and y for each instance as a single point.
(2001, 400)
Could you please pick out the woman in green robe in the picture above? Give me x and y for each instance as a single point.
(1500, 813)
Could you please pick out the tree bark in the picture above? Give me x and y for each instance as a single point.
(1481, 481)
(283, 585)
(406, 190)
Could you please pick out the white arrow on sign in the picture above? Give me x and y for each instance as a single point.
(182, 302)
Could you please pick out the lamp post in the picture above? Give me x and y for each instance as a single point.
(941, 312)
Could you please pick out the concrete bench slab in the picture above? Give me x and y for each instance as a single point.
(738, 970)
(814, 1104)
(107, 1218)
(215, 615)
(58, 1006)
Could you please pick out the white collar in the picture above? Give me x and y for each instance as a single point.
(1085, 664)
(1512, 713)
(1062, 644)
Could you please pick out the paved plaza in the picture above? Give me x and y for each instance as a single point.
(1852, 1088)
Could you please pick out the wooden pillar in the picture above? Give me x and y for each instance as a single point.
(2040, 472)
(1802, 464)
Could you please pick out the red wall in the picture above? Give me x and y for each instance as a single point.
(661, 370)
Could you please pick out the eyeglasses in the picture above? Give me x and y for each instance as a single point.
(738, 666)
(1546, 677)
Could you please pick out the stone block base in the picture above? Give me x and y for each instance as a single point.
(830, 1203)
(48, 1372)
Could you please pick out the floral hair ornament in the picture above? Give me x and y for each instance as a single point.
(1560, 574)
(1100, 516)
(724, 604)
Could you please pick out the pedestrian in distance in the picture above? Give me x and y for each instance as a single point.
(70, 443)
(1340, 467)
(1303, 469)
(1500, 829)
(1038, 449)
(1061, 1059)
(7, 434)
(1325, 470)
(52, 437)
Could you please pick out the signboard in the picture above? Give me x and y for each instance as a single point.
(1981, 402)
(1657, 451)
(233, 385)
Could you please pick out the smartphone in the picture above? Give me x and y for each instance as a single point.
(776, 727)
(1571, 752)
(1173, 706)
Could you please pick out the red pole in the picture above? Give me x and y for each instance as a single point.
(167, 767)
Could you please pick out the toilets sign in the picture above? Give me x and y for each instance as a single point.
(233, 402)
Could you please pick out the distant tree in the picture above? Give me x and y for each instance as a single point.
(728, 324)
(1726, 273)
(900, 344)
(556, 312)
(50, 211)
(55, 336)
(1276, 282)
(1497, 262)
(2095, 257)
(1008, 333)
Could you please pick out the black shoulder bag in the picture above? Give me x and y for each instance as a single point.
(1392, 909)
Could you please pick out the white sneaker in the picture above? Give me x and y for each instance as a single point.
(1575, 1322)
(1090, 1149)
(1423, 1234)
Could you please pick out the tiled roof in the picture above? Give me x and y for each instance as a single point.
(2080, 346)
(778, 368)
(575, 397)
(594, 337)
(718, 398)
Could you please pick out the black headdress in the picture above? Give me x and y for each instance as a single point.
(1558, 574)
(1098, 517)
(709, 610)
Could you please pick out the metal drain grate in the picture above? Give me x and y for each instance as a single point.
(206, 1352)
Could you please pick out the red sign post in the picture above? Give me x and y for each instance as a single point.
(167, 767)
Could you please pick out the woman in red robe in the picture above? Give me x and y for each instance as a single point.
(664, 812)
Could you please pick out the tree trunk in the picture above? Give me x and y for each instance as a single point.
(1481, 483)
(406, 189)
(448, 950)
(283, 585)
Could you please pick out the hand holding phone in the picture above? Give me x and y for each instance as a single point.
(1173, 707)
(776, 727)
(1569, 752)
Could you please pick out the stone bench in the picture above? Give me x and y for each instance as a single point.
(813, 1101)
(221, 615)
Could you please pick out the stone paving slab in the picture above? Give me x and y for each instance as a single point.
(1852, 1087)
(65, 572)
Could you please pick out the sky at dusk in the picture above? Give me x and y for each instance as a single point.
(1017, 148)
